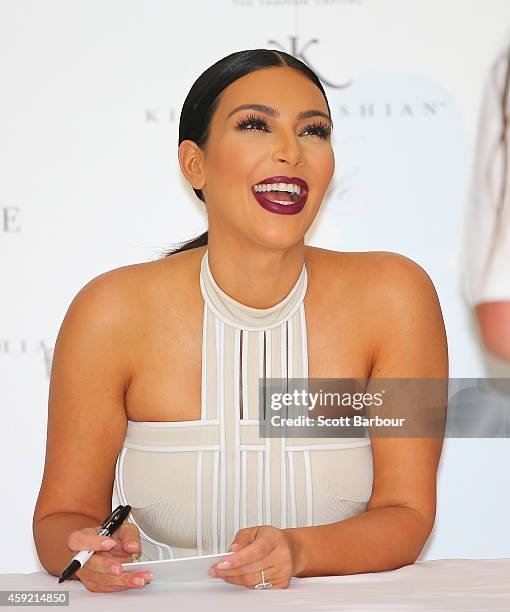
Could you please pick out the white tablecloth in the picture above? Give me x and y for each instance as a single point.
(446, 584)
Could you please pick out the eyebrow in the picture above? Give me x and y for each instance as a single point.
(272, 112)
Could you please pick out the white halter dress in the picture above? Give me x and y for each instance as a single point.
(193, 484)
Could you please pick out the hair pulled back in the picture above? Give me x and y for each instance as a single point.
(203, 98)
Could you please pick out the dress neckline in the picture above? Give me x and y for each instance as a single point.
(242, 316)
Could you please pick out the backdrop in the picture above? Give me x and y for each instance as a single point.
(89, 111)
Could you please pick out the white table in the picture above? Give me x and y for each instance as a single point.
(446, 584)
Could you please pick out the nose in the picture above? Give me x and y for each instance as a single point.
(288, 150)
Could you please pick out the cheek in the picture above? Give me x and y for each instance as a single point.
(324, 168)
(234, 166)
(237, 159)
(329, 163)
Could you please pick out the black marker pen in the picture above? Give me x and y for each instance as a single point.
(108, 526)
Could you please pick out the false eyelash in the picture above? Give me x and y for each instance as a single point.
(243, 124)
(321, 129)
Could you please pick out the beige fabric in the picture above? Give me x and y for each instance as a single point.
(193, 484)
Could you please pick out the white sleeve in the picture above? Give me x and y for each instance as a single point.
(485, 249)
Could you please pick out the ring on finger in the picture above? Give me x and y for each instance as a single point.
(263, 584)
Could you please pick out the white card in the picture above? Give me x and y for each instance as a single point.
(177, 570)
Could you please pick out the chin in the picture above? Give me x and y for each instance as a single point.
(278, 241)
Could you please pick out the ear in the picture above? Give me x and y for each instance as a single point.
(191, 162)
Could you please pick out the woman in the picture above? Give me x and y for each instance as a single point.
(156, 365)
(486, 242)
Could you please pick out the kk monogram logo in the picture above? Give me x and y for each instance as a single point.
(9, 222)
(300, 54)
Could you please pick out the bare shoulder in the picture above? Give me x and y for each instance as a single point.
(108, 302)
(382, 275)
(406, 318)
(392, 301)
(404, 293)
(128, 290)
(396, 276)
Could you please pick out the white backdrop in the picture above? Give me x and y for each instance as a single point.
(89, 109)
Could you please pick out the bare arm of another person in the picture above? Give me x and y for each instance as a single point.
(411, 343)
(86, 426)
(494, 320)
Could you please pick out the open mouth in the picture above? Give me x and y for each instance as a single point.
(281, 194)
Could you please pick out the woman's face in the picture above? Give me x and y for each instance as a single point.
(248, 146)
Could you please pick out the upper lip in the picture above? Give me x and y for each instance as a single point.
(285, 179)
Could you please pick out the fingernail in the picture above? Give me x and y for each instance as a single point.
(108, 543)
(224, 564)
(149, 577)
(139, 581)
(133, 544)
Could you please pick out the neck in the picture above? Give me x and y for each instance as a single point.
(258, 277)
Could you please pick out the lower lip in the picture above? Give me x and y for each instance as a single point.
(281, 209)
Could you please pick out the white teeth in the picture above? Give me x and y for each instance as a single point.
(290, 187)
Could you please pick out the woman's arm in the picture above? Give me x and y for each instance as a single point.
(86, 418)
(51, 533)
(410, 343)
(494, 320)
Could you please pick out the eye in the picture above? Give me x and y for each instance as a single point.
(319, 129)
(244, 124)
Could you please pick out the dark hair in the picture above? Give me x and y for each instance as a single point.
(203, 97)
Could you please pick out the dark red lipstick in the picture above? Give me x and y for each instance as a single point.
(296, 201)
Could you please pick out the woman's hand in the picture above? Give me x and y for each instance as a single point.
(258, 548)
(103, 572)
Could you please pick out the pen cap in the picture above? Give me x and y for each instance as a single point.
(116, 519)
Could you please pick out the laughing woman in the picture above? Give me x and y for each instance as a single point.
(157, 365)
